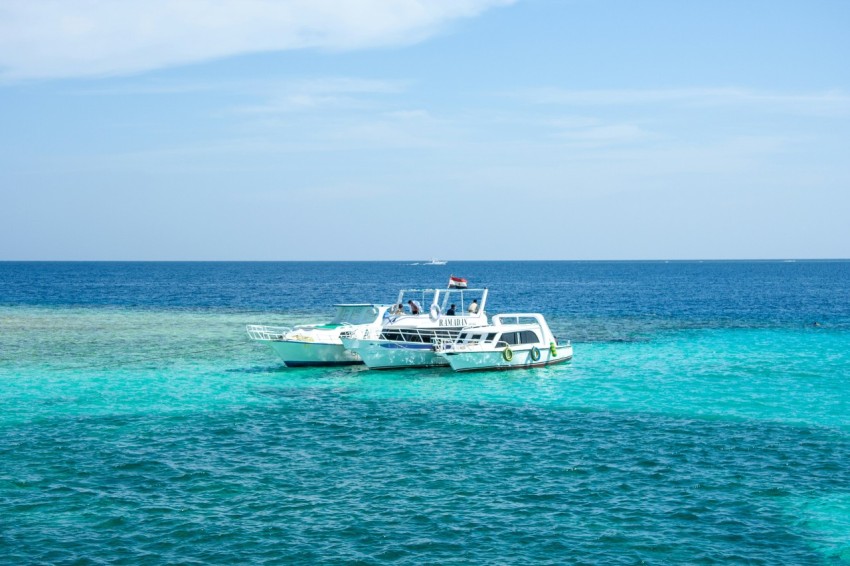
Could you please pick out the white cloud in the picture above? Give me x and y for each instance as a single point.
(599, 135)
(826, 102)
(314, 94)
(65, 38)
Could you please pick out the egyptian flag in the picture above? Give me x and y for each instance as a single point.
(457, 282)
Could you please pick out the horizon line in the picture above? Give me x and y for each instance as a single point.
(420, 262)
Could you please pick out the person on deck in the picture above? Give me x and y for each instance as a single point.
(415, 307)
(473, 307)
(451, 311)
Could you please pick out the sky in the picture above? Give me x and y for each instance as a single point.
(412, 129)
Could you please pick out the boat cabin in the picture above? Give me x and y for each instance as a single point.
(509, 330)
(510, 335)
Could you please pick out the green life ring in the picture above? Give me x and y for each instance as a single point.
(507, 354)
(553, 349)
(535, 354)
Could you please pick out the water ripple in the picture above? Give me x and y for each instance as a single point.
(323, 477)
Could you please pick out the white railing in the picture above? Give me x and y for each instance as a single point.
(260, 332)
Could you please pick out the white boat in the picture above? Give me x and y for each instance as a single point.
(434, 262)
(512, 341)
(407, 340)
(320, 344)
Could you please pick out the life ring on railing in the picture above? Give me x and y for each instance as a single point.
(535, 353)
(553, 349)
(435, 312)
(507, 354)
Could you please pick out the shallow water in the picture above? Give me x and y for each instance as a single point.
(703, 419)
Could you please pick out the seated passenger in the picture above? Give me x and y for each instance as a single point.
(473, 307)
(415, 307)
(451, 311)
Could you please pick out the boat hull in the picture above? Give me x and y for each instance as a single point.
(388, 354)
(494, 360)
(307, 354)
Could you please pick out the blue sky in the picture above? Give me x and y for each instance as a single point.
(405, 129)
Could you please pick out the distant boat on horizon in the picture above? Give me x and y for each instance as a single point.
(435, 261)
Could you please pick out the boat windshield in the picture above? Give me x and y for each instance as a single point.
(355, 314)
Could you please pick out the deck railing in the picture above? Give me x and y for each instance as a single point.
(260, 332)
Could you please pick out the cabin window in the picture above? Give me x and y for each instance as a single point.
(509, 338)
(412, 336)
(491, 337)
(528, 337)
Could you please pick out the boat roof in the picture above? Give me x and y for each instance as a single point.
(499, 322)
(536, 316)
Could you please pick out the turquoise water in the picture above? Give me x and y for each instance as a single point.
(159, 433)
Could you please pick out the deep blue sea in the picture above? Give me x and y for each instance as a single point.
(705, 418)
